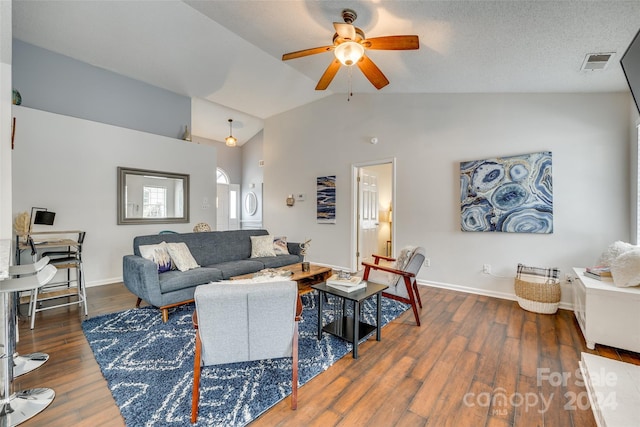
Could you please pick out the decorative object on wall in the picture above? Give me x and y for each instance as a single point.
(326, 199)
(230, 140)
(509, 194)
(13, 132)
(152, 197)
(291, 200)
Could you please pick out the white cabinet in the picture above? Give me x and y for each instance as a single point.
(607, 314)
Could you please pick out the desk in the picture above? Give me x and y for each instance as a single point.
(67, 259)
(46, 239)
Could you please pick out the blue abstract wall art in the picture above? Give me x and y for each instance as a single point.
(507, 194)
(326, 199)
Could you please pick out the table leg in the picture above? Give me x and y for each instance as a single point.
(356, 327)
(378, 314)
(321, 296)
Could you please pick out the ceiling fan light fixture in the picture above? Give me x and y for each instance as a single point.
(349, 52)
(230, 140)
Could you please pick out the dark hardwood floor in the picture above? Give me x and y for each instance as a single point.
(475, 361)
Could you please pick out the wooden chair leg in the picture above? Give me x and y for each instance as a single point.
(294, 376)
(196, 380)
(138, 301)
(415, 288)
(412, 299)
(165, 315)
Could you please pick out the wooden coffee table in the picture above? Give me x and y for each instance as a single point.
(316, 274)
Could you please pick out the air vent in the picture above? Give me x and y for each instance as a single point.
(261, 163)
(597, 61)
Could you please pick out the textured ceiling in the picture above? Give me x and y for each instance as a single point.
(227, 54)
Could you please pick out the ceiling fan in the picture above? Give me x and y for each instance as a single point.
(349, 45)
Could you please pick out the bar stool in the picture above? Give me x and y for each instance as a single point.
(69, 259)
(25, 363)
(20, 406)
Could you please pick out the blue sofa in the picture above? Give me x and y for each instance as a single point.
(220, 254)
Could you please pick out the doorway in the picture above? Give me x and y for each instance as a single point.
(372, 224)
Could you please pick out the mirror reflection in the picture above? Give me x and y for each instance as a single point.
(147, 196)
(251, 203)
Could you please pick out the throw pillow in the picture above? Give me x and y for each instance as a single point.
(404, 257)
(625, 269)
(280, 246)
(262, 246)
(158, 254)
(181, 256)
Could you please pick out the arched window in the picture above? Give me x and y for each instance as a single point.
(221, 176)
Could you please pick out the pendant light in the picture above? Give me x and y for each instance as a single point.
(230, 140)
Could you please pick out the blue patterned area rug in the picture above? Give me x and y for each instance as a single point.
(149, 366)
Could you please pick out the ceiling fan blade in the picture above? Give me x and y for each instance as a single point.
(372, 72)
(306, 52)
(328, 75)
(392, 43)
(346, 31)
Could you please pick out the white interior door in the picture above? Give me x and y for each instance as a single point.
(367, 215)
(222, 207)
(228, 207)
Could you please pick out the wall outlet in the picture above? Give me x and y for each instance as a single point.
(300, 197)
(486, 268)
(427, 262)
(569, 278)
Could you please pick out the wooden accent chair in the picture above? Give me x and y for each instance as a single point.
(401, 277)
(244, 322)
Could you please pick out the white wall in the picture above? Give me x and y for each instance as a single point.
(69, 166)
(5, 119)
(429, 135)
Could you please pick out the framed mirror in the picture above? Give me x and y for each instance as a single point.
(152, 197)
(251, 203)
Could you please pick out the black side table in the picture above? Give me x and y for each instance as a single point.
(350, 328)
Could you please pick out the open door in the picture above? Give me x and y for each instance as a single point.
(373, 188)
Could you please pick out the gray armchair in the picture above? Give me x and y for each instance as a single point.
(402, 282)
(244, 322)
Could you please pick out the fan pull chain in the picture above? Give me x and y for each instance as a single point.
(350, 84)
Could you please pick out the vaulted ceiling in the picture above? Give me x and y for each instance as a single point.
(227, 54)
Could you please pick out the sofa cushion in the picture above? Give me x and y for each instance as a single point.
(237, 268)
(278, 261)
(181, 256)
(280, 245)
(175, 280)
(262, 246)
(158, 254)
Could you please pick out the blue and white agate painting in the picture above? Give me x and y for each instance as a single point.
(507, 194)
(326, 199)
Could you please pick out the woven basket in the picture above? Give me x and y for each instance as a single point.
(538, 294)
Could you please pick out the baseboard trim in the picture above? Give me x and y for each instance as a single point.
(104, 282)
(468, 290)
(483, 292)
